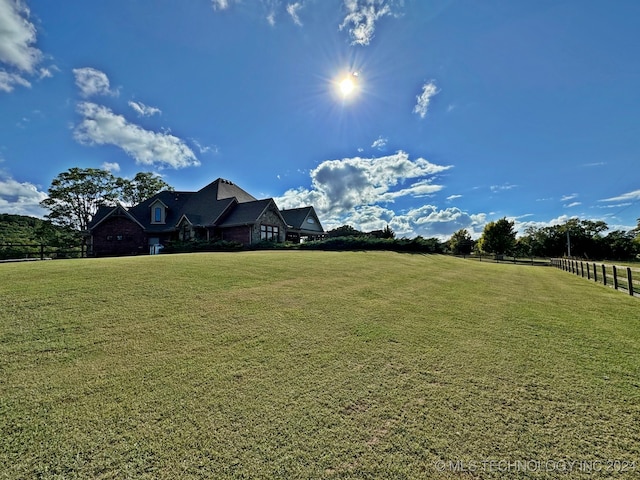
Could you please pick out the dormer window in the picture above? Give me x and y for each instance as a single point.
(158, 212)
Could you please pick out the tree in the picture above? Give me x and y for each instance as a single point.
(461, 243)
(498, 237)
(144, 185)
(620, 245)
(344, 231)
(388, 233)
(75, 195)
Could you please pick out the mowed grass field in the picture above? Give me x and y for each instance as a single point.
(314, 365)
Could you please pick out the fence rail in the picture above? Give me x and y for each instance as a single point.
(505, 259)
(39, 251)
(618, 277)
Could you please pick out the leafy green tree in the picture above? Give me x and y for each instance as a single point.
(75, 195)
(461, 243)
(144, 185)
(498, 237)
(344, 231)
(620, 245)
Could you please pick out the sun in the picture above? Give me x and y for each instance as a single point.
(348, 85)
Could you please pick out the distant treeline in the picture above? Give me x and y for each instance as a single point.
(21, 236)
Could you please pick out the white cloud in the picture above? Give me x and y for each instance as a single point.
(92, 82)
(221, 4)
(17, 36)
(453, 197)
(353, 191)
(100, 126)
(204, 148)
(9, 80)
(21, 198)
(18, 55)
(45, 73)
(572, 204)
(271, 18)
(380, 143)
(111, 166)
(502, 188)
(566, 198)
(429, 89)
(625, 197)
(361, 18)
(292, 10)
(144, 110)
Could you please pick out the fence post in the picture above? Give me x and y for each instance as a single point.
(630, 280)
(582, 269)
(595, 273)
(588, 271)
(604, 274)
(615, 277)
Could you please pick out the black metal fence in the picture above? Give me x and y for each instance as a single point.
(618, 277)
(39, 251)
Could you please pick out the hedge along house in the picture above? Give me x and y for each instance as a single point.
(219, 211)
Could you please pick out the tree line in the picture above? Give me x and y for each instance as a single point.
(575, 238)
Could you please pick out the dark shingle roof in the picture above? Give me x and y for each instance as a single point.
(220, 203)
(103, 211)
(297, 218)
(246, 213)
(203, 207)
(175, 203)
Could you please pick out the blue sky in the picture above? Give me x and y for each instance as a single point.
(460, 112)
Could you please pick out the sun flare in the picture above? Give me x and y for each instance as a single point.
(348, 85)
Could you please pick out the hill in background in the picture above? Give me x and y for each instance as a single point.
(16, 231)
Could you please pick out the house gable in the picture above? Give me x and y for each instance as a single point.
(158, 212)
(302, 222)
(117, 233)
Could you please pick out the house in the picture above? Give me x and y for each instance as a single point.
(302, 223)
(218, 211)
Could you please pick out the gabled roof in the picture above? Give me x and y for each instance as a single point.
(221, 203)
(224, 189)
(105, 211)
(248, 213)
(297, 219)
(174, 202)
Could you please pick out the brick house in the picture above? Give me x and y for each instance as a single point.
(218, 211)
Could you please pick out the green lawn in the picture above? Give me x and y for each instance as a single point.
(314, 365)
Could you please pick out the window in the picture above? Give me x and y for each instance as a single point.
(310, 220)
(158, 212)
(269, 233)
